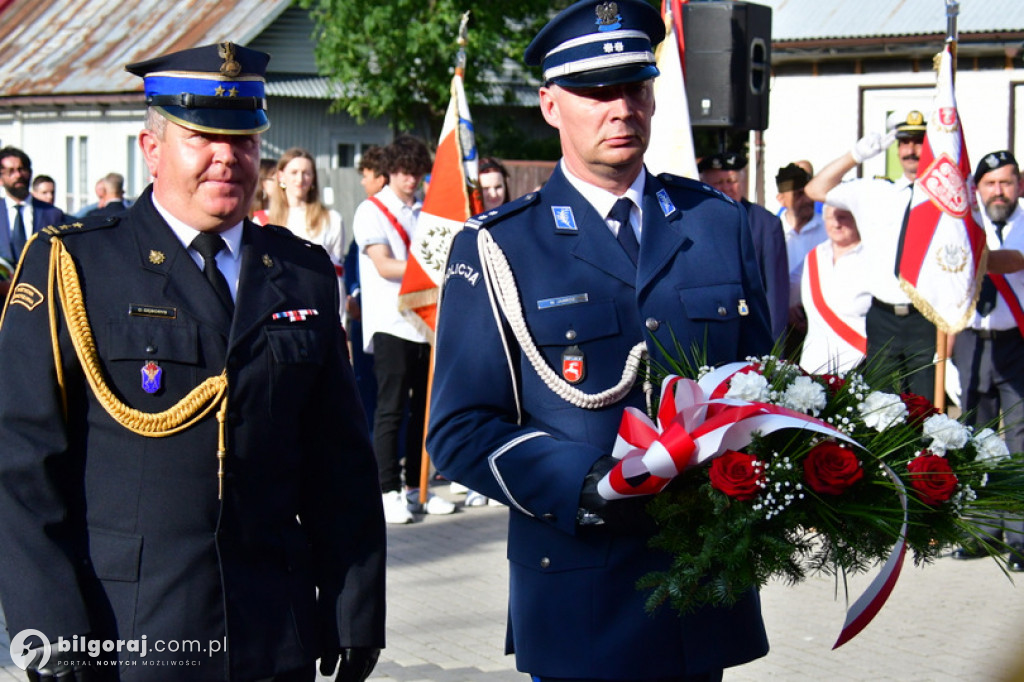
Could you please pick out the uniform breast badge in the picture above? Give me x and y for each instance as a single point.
(574, 366)
(565, 221)
(295, 315)
(152, 375)
(665, 202)
(743, 309)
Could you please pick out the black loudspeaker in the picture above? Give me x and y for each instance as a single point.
(728, 63)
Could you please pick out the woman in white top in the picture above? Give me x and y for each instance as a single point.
(296, 205)
(835, 297)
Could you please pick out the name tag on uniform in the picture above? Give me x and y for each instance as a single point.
(565, 221)
(559, 301)
(136, 310)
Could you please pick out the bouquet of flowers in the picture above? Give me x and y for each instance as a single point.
(763, 471)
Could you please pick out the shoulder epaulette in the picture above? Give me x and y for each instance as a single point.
(78, 226)
(887, 179)
(691, 184)
(288, 234)
(496, 215)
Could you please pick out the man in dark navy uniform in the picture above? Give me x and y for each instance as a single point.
(185, 457)
(544, 305)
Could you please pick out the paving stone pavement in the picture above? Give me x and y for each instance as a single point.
(447, 586)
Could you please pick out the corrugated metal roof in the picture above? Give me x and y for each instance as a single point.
(316, 87)
(81, 46)
(819, 19)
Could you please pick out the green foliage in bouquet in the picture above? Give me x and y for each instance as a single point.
(796, 503)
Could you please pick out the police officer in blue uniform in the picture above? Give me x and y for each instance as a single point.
(547, 304)
(166, 474)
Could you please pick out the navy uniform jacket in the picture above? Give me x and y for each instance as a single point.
(770, 249)
(495, 426)
(122, 536)
(43, 215)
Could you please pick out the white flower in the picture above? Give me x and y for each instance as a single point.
(990, 445)
(882, 410)
(748, 386)
(946, 433)
(804, 395)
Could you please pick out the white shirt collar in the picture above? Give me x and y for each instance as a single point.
(185, 233)
(602, 200)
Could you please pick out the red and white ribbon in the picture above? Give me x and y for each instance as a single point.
(696, 424)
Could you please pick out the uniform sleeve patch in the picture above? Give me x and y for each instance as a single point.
(27, 296)
(464, 271)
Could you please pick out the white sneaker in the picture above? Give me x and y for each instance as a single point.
(435, 503)
(457, 489)
(475, 499)
(395, 508)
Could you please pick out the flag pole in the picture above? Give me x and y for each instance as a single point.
(942, 339)
(460, 70)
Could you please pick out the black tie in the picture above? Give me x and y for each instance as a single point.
(626, 236)
(207, 244)
(987, 297)
(18, 232)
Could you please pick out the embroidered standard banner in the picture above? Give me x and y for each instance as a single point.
(452, 198)
(942, 246)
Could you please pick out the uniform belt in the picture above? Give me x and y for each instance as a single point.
(899, 309)
(993, 334)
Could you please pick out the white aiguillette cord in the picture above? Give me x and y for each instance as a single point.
(503, 293)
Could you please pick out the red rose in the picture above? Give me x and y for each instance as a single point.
(833, 383)
(918, 407)
(737, 474)
(932, 478)
(830, 468)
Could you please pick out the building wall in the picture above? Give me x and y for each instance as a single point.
(820, 117)
(76, 147)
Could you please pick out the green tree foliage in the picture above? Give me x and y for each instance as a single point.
(396, 58)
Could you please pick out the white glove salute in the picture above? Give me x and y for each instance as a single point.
(871, 145)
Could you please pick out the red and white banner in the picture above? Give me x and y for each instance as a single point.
(452, 197)
(671, 145)
(942, 248)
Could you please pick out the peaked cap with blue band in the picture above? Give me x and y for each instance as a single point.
(594, 43)
(212, 89)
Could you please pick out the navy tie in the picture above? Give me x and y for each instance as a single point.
(987, 297)
(18, 233)
(207, 244)
(626, 236)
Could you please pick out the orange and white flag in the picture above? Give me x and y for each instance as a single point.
(671, 146)
(452, 198)
(942, 253)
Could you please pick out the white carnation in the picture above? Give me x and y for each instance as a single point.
(882, 410)
(946, 433)
(990, 445)
(748, 386)
(804, 395)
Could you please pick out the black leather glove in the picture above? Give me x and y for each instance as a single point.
(619, 516)
(354, 665)
(63, 666)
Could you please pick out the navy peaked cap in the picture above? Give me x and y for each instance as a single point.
(593, 43)
(213, 88)
(729, 161)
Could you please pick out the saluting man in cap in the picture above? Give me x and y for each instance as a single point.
(899, 337)
(544, 304)
(166, 475)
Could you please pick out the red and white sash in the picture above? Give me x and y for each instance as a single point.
(841, 329)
